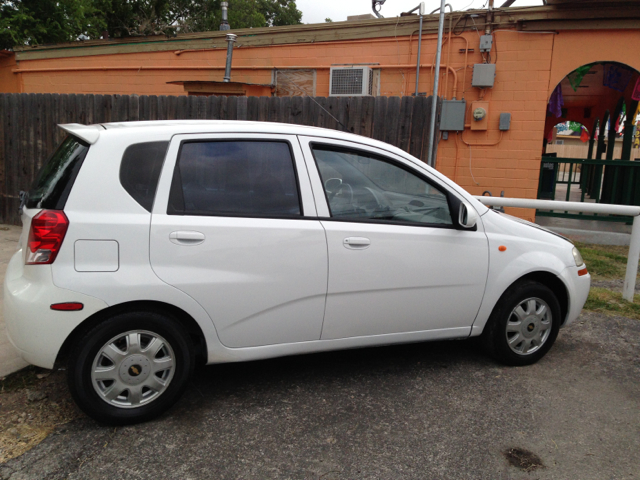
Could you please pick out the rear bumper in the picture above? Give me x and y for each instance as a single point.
(33, 328)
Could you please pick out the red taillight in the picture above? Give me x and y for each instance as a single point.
(47, 232)
(582, 272)
(68, 306)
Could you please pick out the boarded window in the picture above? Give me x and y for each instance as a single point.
(295, 83)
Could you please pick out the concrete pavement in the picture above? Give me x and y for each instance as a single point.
(439, 410)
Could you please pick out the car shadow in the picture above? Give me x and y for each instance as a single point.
(357, 368)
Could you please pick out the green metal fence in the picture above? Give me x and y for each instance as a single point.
(598, 181)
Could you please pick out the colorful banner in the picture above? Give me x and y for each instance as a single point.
(575, 77)
(636, 91)
(556, 102)
(616, 77)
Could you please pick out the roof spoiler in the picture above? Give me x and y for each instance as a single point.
(88, 133)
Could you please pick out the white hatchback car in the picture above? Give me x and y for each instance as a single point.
(151, 246)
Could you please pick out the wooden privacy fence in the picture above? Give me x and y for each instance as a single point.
(29, 133)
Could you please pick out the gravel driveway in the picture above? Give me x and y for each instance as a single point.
(423, 411)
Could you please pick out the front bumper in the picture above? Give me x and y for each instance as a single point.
(578, 287)
(33, 328)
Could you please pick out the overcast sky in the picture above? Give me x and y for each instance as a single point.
(315, 11)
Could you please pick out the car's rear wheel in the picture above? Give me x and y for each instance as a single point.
(131, 367)
(524, 324)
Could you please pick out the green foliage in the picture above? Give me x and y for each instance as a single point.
(206, 15)
(605, 262)
(603, 300)
(38, 22)
(328, 20)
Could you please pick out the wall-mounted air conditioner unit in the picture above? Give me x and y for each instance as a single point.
(351, 82)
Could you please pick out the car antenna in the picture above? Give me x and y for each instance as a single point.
(314, 101)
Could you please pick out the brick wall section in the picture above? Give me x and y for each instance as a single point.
(528, 66)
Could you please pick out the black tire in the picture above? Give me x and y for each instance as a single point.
(81, 363)
(495, 337)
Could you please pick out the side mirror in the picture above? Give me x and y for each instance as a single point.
(468, 216)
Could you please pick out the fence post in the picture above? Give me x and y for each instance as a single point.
(632, 261)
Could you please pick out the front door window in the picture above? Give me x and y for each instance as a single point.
(365, 187)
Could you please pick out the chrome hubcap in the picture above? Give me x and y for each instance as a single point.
(529, 326)
(133, 369)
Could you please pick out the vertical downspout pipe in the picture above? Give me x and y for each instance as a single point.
(231, 39)
(419, 48)
(434, 101)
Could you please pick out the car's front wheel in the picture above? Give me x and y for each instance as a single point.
(524, 324)
(131, 367)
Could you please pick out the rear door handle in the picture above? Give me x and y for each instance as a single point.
(187, 238)
(356, 243)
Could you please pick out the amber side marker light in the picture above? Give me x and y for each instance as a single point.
(67, 307)
(502, 248)
(582, 272)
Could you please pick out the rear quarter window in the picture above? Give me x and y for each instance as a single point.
(140, 171)
(53, 182)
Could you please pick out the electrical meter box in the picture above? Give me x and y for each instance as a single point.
(479, 115)
(452, 115)
(484, 75)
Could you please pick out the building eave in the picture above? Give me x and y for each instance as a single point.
(569, 16)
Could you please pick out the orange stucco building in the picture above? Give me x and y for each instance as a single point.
(533, 50)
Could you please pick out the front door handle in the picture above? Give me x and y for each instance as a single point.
(186, 238)
(356, 243)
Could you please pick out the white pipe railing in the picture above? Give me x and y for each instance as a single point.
(634, 245)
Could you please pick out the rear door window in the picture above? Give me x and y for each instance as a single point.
(54, 180)
(235, 178)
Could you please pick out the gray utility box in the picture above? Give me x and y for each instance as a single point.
(486, 41)
(484, 75)
(452, 116)
(505, 122)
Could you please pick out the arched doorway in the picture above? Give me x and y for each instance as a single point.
(598, 104)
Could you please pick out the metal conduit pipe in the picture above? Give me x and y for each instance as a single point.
(375, 4)
(217, 67)
(421, 7)
(446, 5)
(434, 100)
(231, 39)
(489, 19)
(225, 17)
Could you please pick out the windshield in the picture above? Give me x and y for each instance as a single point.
(55, 178)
